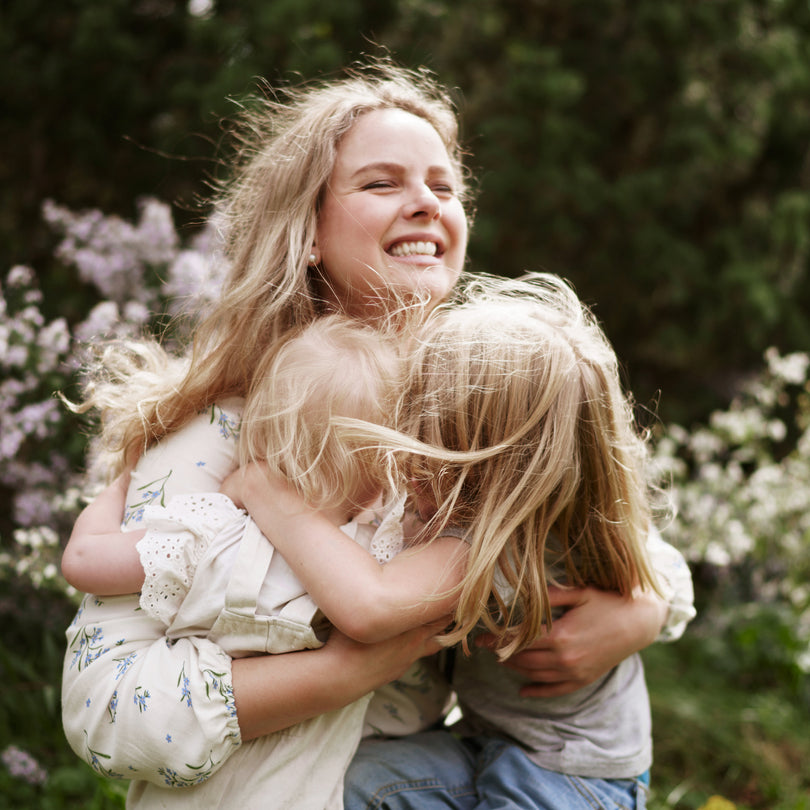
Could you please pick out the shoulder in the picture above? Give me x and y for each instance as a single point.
(195, 458)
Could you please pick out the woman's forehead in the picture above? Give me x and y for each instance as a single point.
(393, 137)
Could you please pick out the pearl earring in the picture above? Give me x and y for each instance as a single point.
(313, 259)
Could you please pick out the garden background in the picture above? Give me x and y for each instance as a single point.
(654, 152)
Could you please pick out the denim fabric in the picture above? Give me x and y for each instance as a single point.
(436, 770)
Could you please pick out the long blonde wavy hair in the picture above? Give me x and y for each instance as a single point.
(287, 146)
(515, 427)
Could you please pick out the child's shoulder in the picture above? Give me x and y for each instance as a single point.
(195, 458)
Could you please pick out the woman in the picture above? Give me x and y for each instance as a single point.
(350, 196)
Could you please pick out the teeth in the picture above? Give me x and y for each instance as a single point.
(414, 248)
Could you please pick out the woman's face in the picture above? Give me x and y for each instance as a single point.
(391, 220)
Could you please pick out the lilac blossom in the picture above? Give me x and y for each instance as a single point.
(112, 254)
(21, 765)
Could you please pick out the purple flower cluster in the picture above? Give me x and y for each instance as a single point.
(141, 271)
(31, 350)
(112, 254)
(21, 765)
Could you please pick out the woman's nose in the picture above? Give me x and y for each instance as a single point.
(423, 203)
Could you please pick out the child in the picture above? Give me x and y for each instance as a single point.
(210, 573)
(526, 450)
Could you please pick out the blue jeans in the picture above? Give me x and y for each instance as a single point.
(436, 770)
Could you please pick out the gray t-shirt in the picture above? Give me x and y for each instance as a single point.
(603, 730)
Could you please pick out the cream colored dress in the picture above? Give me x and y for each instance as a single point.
(211, 573)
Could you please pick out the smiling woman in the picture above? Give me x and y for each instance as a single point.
(349, 197)
(391, 221)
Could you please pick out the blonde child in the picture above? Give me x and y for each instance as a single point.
(210, 573)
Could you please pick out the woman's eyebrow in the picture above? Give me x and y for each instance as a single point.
(380, 166)
(394, 168)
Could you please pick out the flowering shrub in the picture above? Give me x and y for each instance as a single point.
(741, 486)
(144, 278)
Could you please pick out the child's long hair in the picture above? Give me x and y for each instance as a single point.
(530, 449)
(286, 152)
(333, 368)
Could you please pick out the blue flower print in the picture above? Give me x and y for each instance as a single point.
(94, 759)
(123, 664)
(200, 773)
(185, 692)
(215, 682)
(153, 492)
(228, 425)
(112, 706)
(140, 698)
(90, 647)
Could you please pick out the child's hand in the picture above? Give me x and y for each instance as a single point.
(255, 487)
(232, 487)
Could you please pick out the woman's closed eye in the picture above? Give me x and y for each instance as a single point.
(378, 184)
(443, 189)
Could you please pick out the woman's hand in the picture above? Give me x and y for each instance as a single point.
(599, 630)
(385, 661)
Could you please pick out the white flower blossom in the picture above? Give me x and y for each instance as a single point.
(792, 368)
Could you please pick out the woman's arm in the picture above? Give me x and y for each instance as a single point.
(599, 630)
(367, 601)
(99, 558)
(273, 692)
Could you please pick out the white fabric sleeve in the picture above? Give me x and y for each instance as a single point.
(196, 458)
(137, 707)
(134, 704)
(675, 580)
(177, 536)
(169, 560)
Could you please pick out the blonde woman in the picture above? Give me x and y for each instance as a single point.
(349, 196)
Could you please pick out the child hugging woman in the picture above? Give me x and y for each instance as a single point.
(210, 573)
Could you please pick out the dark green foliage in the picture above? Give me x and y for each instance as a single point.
(31, 654)
(653, 152)
(715, 734)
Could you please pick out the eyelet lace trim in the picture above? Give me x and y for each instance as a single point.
(178, 536)
(388, 540)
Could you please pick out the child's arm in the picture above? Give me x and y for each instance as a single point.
(367, 601)
(100, 558)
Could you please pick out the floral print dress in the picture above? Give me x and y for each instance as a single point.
(120, 669)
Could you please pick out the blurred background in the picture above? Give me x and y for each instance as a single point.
(654, 152)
